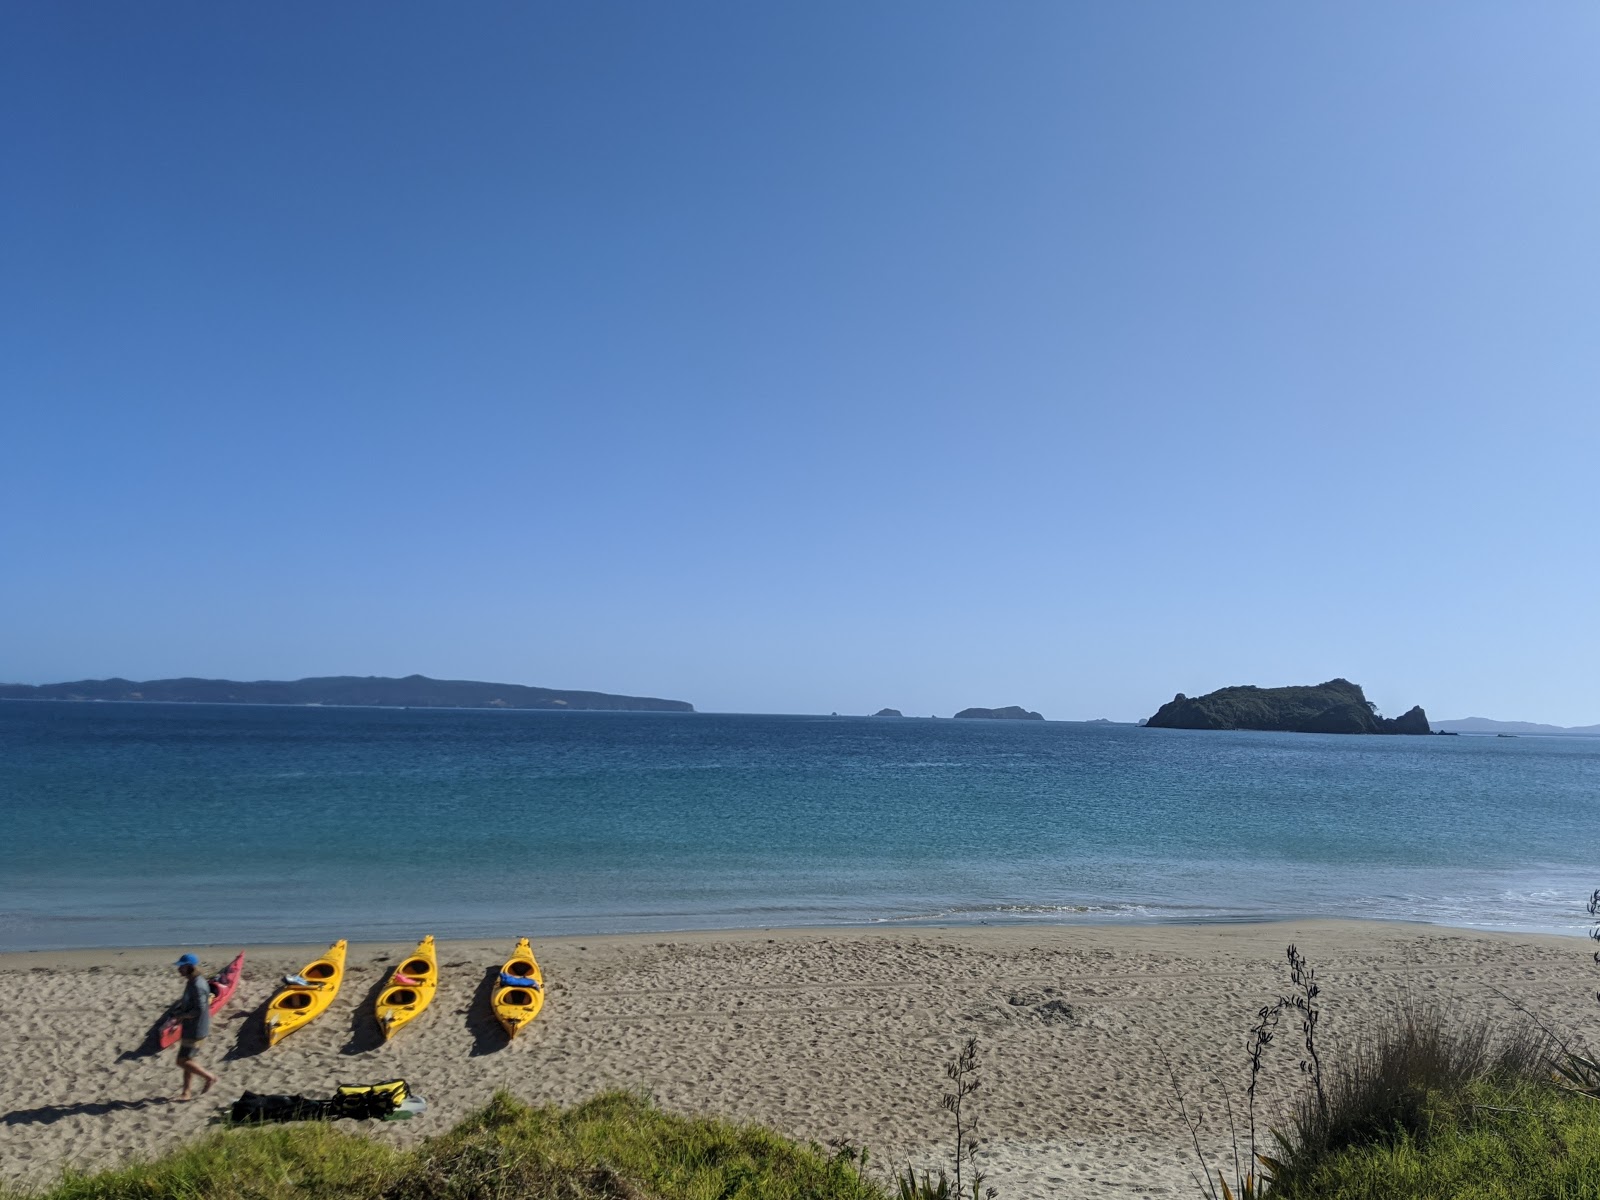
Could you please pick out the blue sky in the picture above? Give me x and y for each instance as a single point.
(811, 357)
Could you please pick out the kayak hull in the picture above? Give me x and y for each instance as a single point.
(410, 989)
(296, 1005)
(516, 1005)
(226, 981)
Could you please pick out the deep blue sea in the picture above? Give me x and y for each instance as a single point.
(130, 824)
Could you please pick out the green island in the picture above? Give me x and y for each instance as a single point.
(1337, 706)
(1013, 712)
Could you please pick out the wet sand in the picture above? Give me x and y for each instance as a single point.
(821, 1033)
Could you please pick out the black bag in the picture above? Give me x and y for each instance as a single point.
(353, 1102)
(254, 1109)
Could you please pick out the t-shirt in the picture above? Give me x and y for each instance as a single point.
(194, 1015)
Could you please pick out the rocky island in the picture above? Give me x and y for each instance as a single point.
(1012, 713)
(376, 691)
(888, 712)
(1337, 706)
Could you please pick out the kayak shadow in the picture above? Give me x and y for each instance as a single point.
(252, 1039)
(487, 1034)
(151, 1046)
(364, 1032)
(49, 1114)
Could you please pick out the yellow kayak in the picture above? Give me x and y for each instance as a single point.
(410, 990)
(306, 995)
(519, 993)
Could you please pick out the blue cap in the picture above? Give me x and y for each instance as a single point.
(187, 960)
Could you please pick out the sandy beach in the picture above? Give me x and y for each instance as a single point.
(822, 1033)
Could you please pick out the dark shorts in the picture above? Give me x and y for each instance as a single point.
(188, 1049)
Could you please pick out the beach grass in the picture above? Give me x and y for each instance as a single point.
(617, 1146)
(1505, 1140)
(1439, 1105)
(1422, 1073)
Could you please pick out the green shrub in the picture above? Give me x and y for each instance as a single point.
(306, 1161)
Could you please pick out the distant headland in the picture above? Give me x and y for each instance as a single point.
(888, 712)
(1487, 726)
(414, 691)
(1011, 713)
(1337, 706)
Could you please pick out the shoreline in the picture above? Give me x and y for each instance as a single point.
(157, 953)
(818, 1032)
(50, 955)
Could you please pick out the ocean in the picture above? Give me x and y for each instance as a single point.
(144, 824)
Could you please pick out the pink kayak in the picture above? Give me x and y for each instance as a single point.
(223, 984)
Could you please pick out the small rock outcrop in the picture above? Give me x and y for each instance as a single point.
(1012, 713)
(888, 712)
(1414, 721)
(1337, 706)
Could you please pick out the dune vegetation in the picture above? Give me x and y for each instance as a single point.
(615, 1147)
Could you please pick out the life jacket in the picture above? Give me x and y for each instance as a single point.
(368, 1102)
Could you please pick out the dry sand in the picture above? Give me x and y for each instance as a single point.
(822, 1033)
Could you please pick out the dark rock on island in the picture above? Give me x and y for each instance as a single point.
(1013, 713)
(888, 712)
(414, 691)
(1337, 706)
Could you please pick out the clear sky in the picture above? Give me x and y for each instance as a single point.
(807, 357)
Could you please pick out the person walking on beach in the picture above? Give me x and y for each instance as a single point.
(194, 1016)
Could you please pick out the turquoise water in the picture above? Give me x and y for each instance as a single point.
(154, 824)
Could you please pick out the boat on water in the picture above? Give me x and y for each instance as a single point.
(519, 992)
(223, 984)
(410, 989)
(306, 996)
